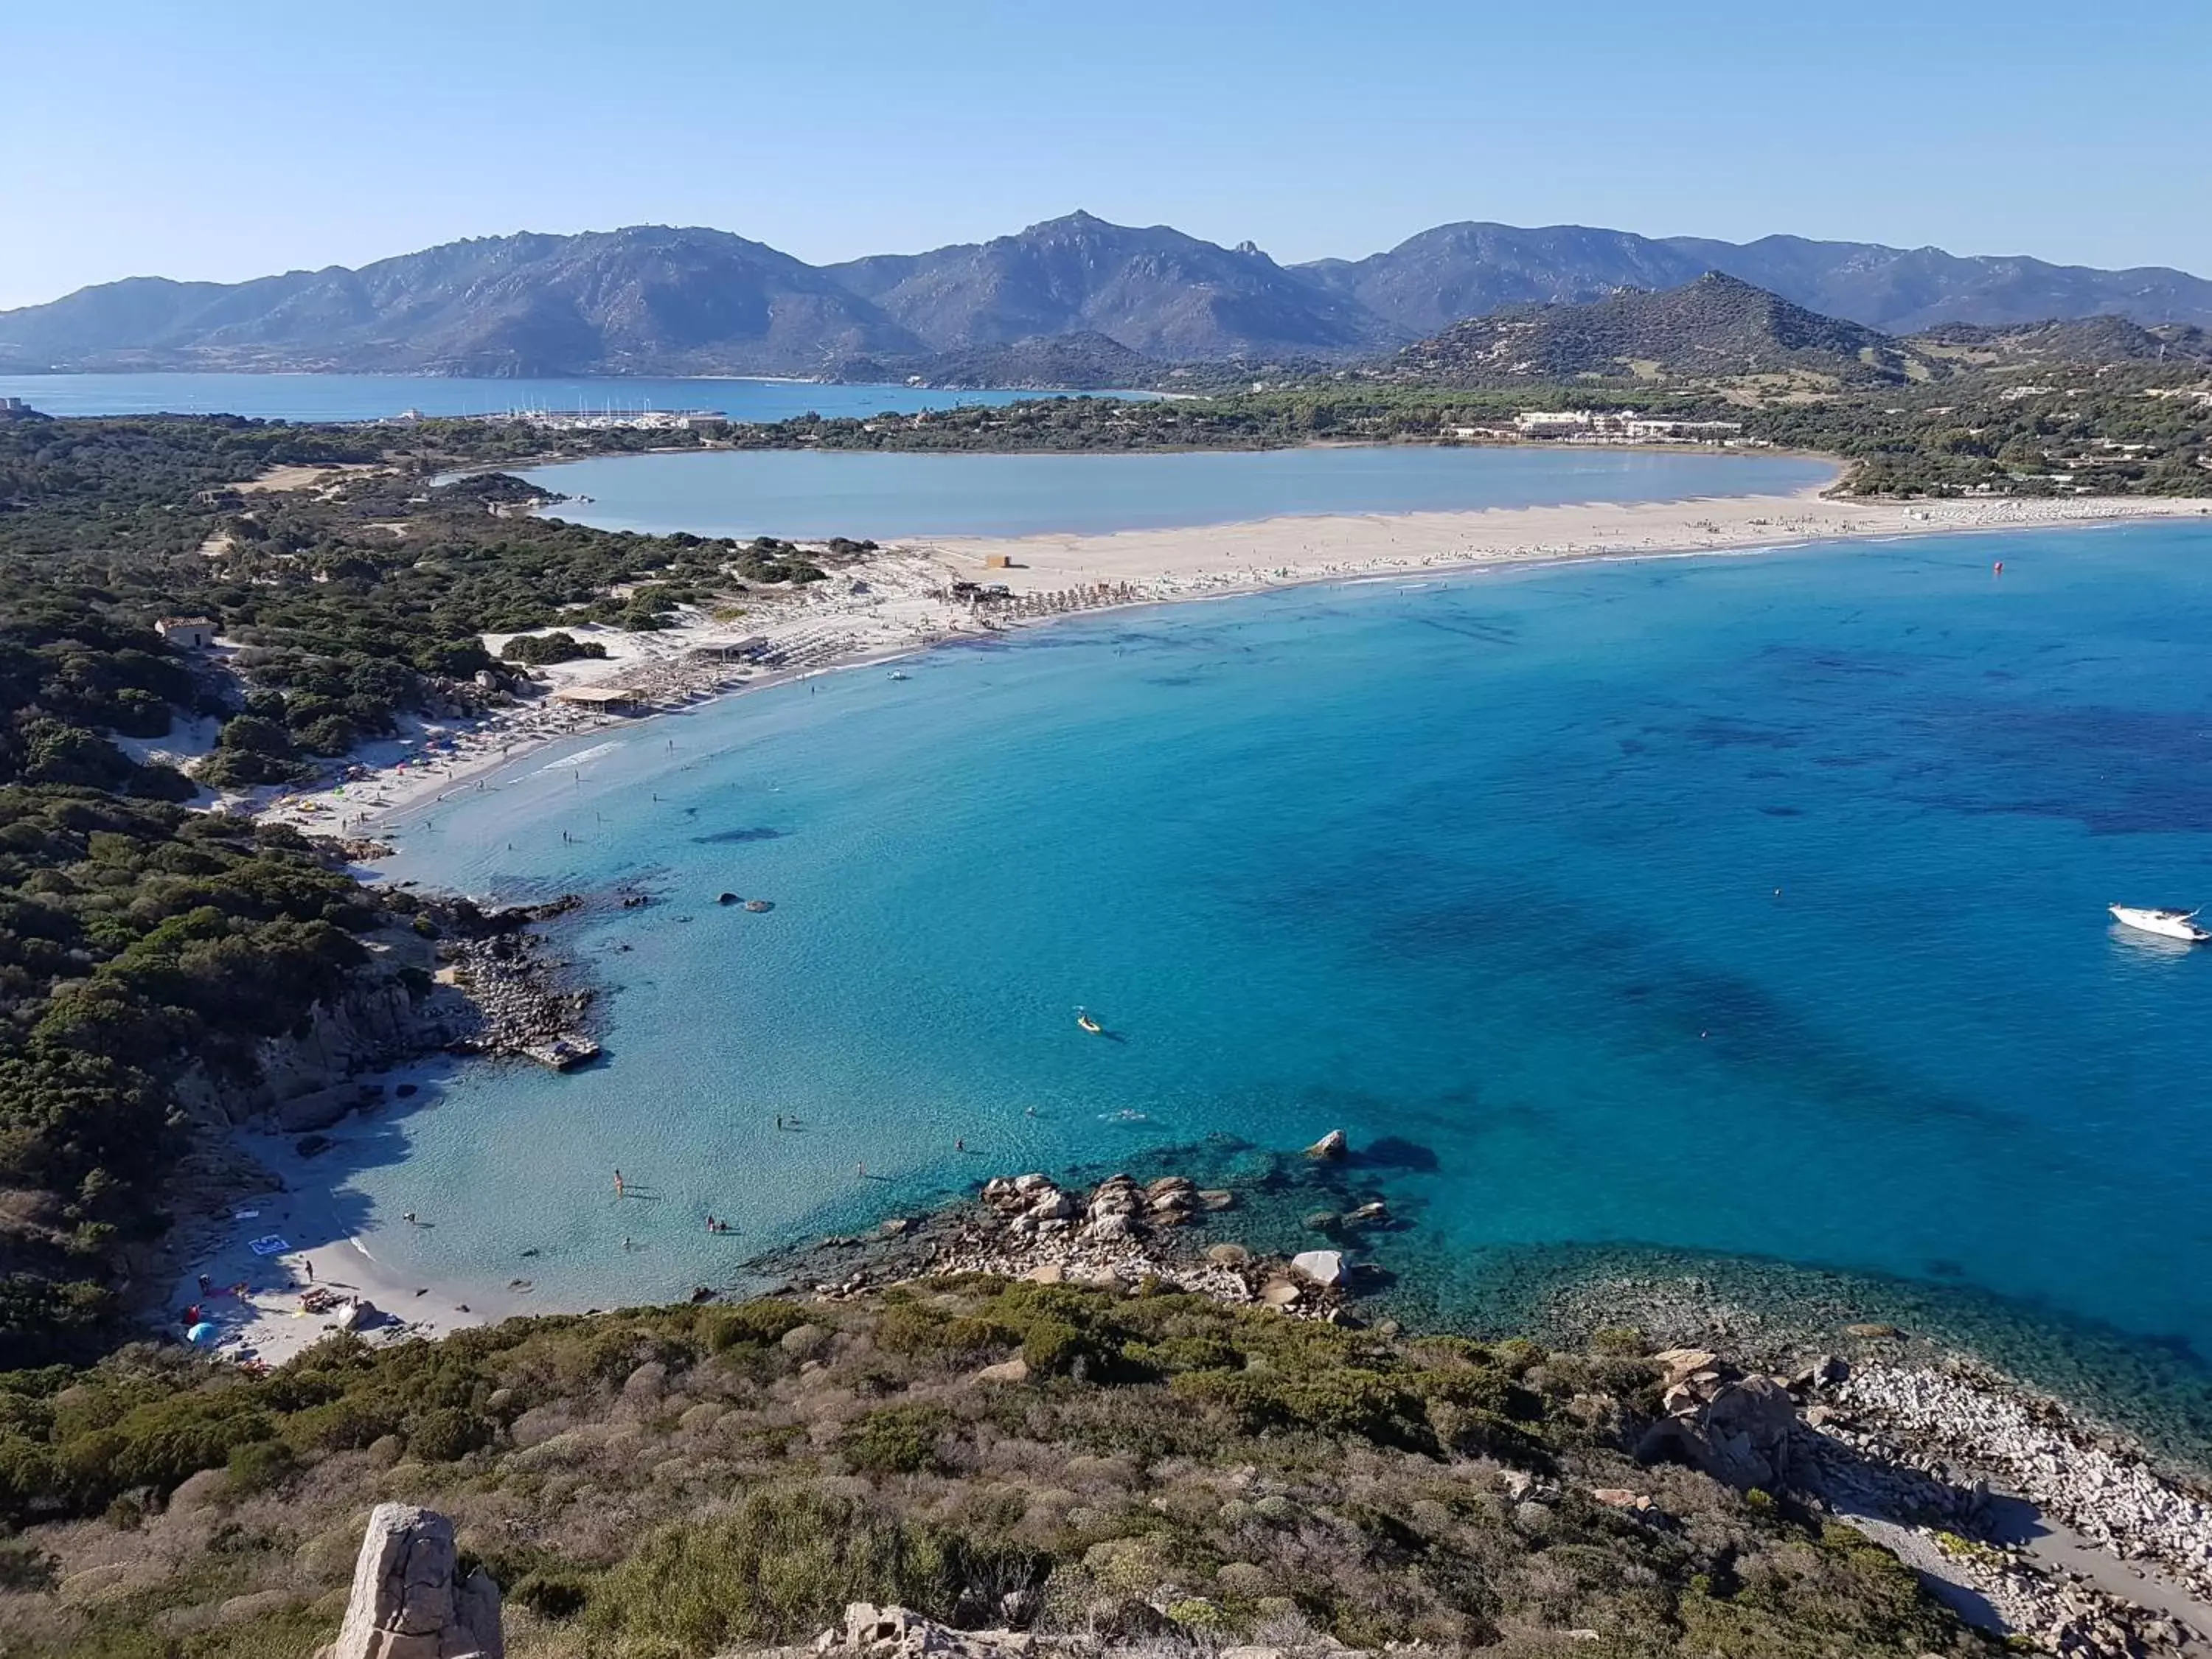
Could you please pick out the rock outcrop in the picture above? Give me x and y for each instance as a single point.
(407, 1601)
(1738, 1431)
(1122, 1234)
(303, 1079)
(872, 1632)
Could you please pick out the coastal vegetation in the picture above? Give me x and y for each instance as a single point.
(138, 937)
(2141, 430)
(682, 1481)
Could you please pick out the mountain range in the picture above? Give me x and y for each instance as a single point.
(1072, 301)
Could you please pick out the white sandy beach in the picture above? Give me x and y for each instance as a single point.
(255, 1296)
(1216, 558)
(897, 601)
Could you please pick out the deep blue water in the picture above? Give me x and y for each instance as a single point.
(375, 396)
(819, 494)
(1750, 904)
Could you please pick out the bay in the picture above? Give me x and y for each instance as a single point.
(1753, 905)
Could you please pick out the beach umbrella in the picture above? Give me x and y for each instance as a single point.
(204, 1332)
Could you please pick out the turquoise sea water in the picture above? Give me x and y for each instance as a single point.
(1747, 904)
(819, 494)
(375, 396)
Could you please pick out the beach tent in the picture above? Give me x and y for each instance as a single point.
(206, 1331)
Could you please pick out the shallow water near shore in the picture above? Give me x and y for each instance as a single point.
(1744, 906)
(819, 494)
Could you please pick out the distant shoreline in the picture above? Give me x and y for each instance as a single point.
(899, 609)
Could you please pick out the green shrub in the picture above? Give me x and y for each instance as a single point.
(536, 650)
(896, 1440)
(1185, 1353)
(1365, 1404)
(1052, 1347)
(907, 1328)
(551, 1594)
(759, 1322)
(259, 1465)
(445, 1434)
(778, 1570)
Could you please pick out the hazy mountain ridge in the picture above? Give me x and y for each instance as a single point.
(655, 300)
(643, 300)
(1154, 290)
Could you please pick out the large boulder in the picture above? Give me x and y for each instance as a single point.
(406, 1603)
(1330, 1147)
(1741, 1435)
(872, 1632)
(1322, 1268)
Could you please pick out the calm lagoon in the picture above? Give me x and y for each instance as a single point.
(809, 494)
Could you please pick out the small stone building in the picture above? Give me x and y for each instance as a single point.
(190, 633)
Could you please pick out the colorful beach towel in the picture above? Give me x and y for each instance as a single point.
(270, 1245)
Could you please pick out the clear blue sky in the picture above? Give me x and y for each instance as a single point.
(227, 140)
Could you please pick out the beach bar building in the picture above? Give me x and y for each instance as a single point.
(751, 649)
(608, 699)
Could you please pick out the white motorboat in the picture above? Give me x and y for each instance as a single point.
(2168, 924)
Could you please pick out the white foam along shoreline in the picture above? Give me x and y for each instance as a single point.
(895, 602)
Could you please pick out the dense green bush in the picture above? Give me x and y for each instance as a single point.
(537, 650)
(779, 1570)
(445, 1433)
(758, 1322)
(896, 1440)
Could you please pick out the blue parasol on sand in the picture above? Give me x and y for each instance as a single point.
(206, 1331)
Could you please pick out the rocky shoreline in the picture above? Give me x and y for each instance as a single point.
(1939, 1461)
(1119, 1234)
(521, 998)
